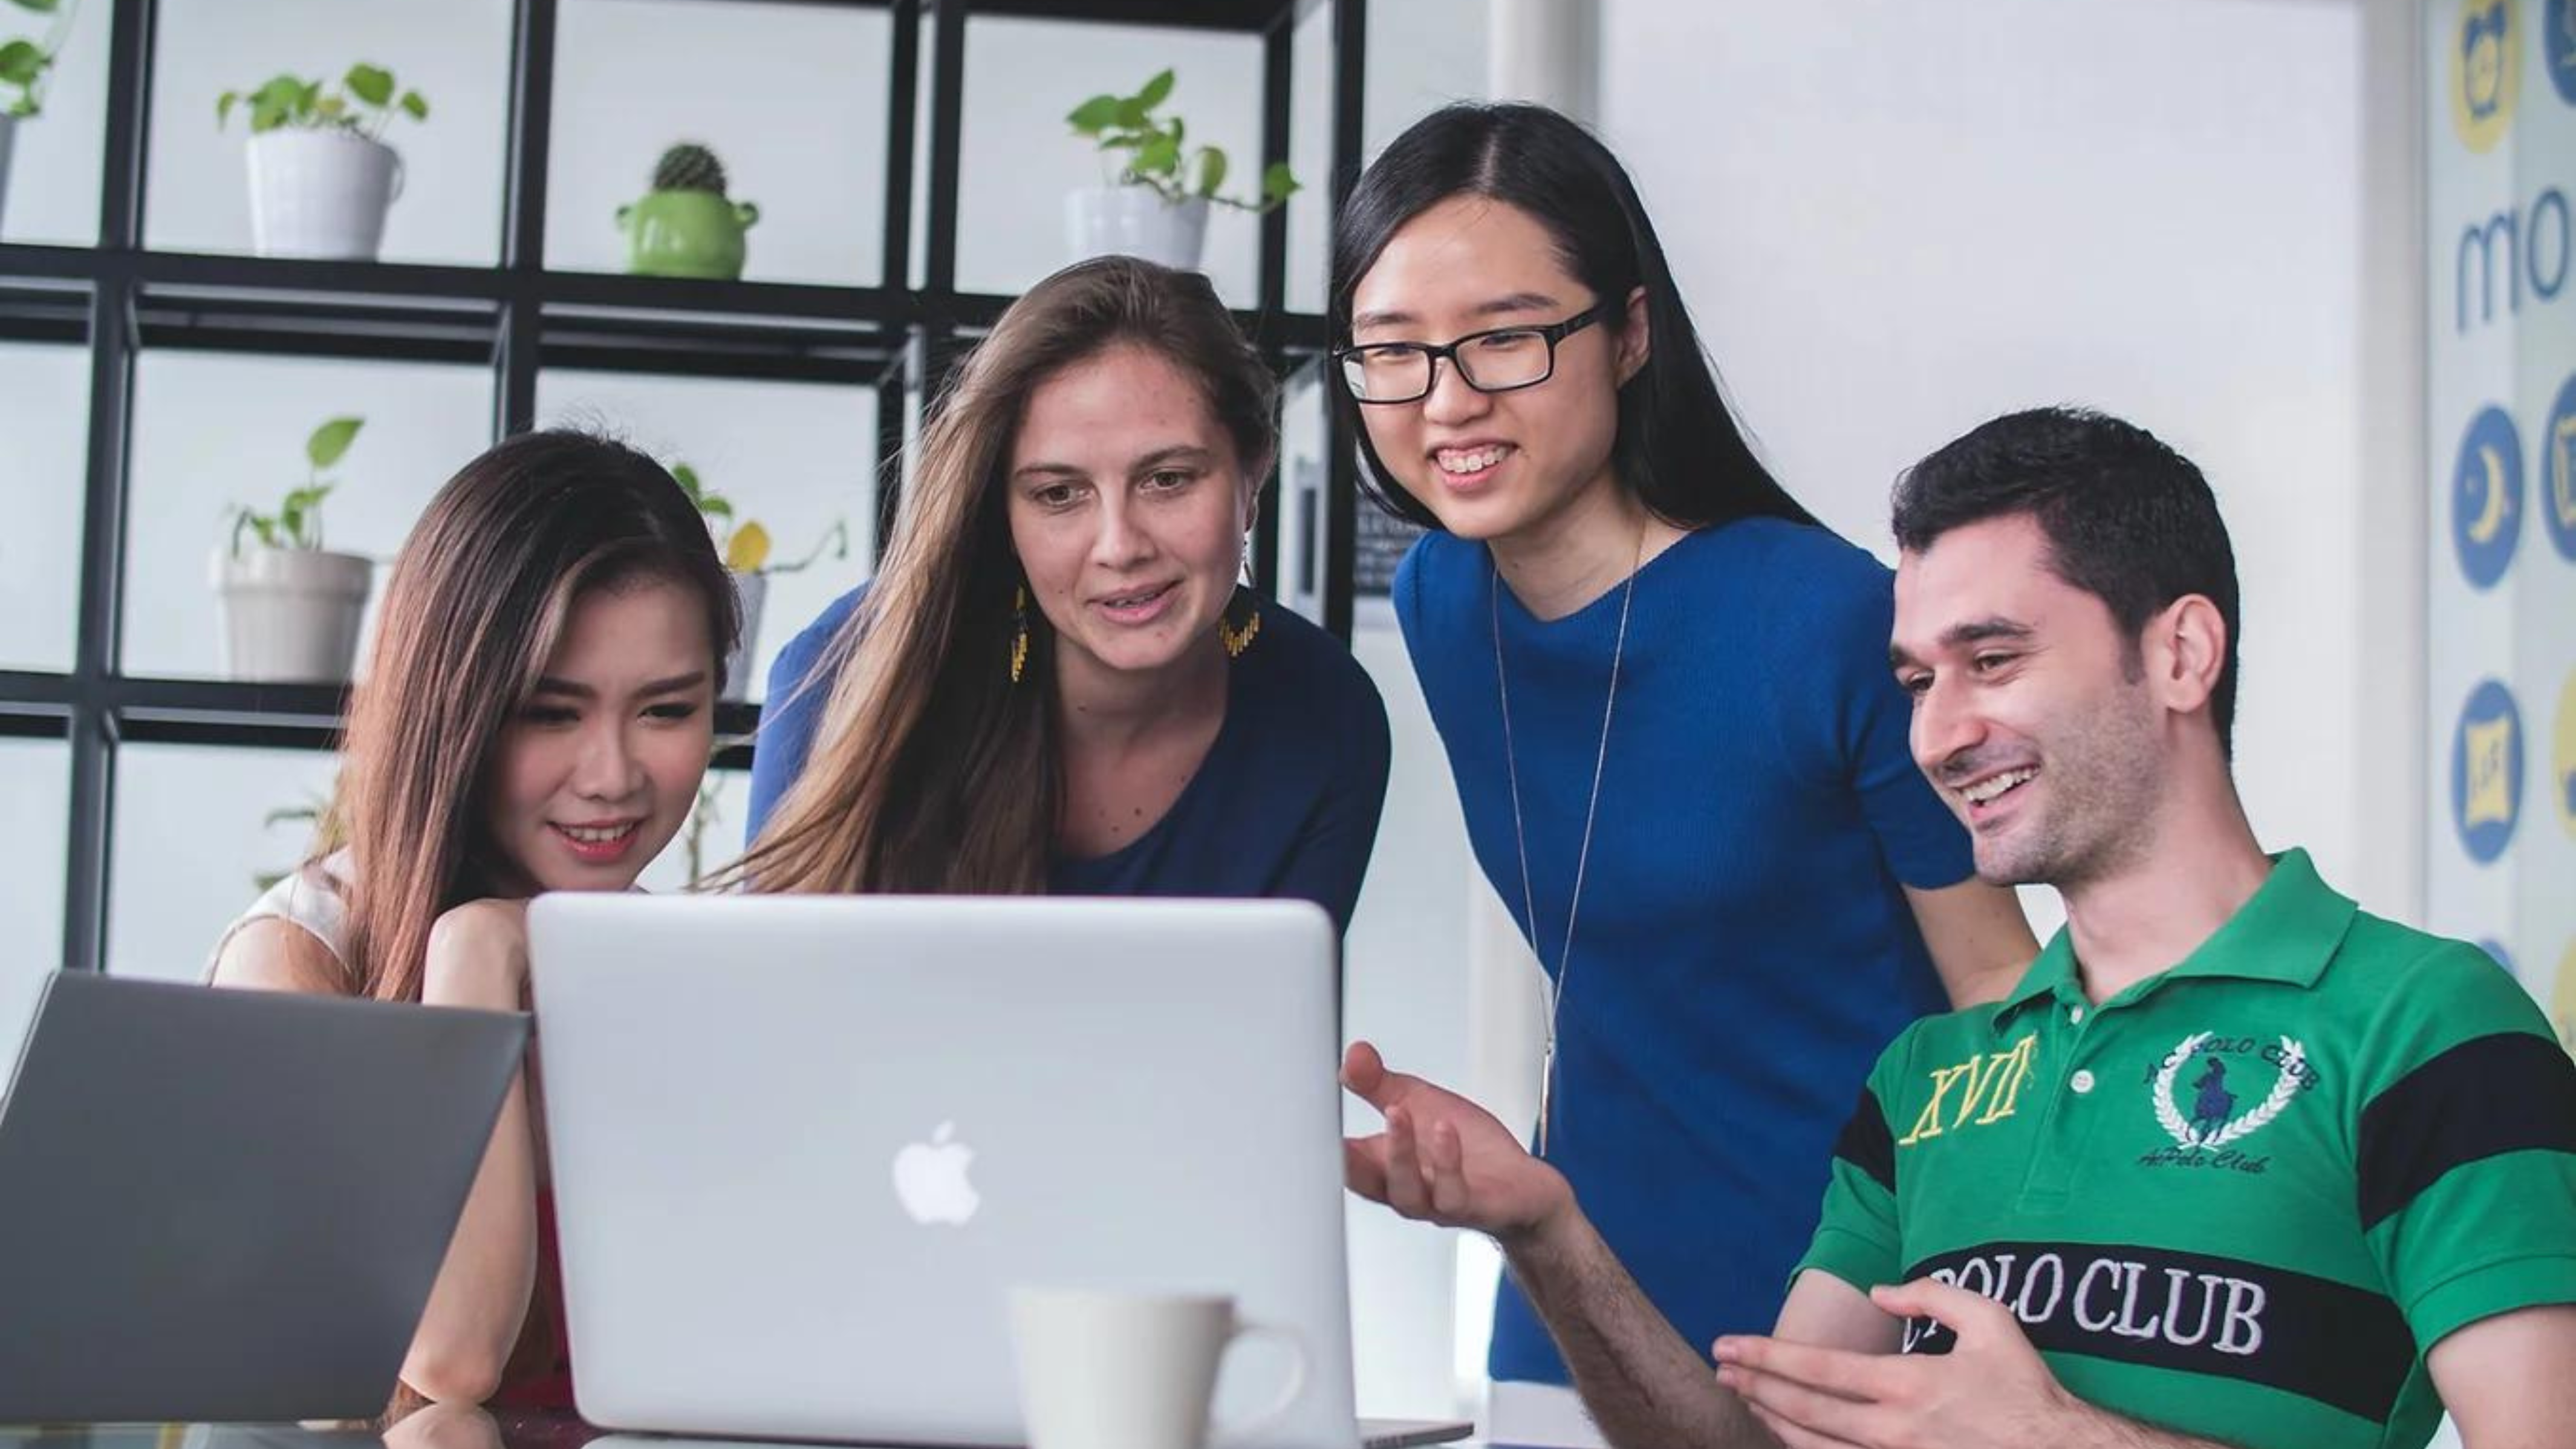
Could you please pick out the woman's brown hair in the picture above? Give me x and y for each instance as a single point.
(480, 596)
(931, 770)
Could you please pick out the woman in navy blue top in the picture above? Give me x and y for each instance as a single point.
(1055, 683)
(1664, 690)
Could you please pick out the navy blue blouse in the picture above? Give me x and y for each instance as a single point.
(1285, 804)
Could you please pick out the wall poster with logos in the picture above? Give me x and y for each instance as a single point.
(2500, 400)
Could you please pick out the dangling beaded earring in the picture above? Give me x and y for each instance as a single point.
(1019, 632)
(1240, 624)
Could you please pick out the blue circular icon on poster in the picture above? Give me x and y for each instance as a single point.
(2486, 772)
(2486, 497)
(2558, 27)
(2495, 948)
(2556, 492)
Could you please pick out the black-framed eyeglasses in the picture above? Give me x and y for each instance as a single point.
(1498, 360)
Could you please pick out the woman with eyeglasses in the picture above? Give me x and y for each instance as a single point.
(1664, 692)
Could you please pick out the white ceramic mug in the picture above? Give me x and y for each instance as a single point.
(1133, 1371)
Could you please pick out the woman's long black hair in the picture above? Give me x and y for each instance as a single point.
(1678, 446)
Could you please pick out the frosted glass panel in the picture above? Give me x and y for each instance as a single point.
(44, 417)
(55, 167)
(213, 430)
(794, 456)
(1020, 159)
(456, 53)
(791, 98)
(192, 844)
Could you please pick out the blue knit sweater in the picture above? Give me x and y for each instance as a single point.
(1744, 947)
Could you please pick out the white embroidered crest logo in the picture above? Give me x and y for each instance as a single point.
(2212, 1122)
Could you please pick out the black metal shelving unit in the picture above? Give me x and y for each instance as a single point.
(517, 318)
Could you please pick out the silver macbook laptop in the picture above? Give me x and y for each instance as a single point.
(804, 1147)
(230, 1205)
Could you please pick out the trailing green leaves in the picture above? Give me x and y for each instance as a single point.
(1278, 183)
(364, 104)
(25, 63)
(1159, 158)
(297, 523)
(331, 440)
(371, 84)
(744, 544)
(21, 62)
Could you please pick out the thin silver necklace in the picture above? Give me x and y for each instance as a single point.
(1520, 834)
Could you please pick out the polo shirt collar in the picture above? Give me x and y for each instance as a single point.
(2285, 932)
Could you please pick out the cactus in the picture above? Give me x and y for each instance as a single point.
(689, 167)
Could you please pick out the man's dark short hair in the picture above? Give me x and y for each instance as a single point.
(2128, 520)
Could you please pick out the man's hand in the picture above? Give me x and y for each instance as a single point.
(1443, 1159)
(1993, 1391)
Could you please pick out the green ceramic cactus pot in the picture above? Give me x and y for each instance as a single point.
(686, 234)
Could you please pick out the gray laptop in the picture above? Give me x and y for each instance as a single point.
(230, 1205)
(804, 1147)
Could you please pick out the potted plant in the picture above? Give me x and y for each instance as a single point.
(744, 545)
(292, 609)
(321, 175)
(684, 226)
(24, 67)
(1156, 204)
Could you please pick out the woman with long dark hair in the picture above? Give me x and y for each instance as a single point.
(1664, 691)
(536, 715)
(1056, 682)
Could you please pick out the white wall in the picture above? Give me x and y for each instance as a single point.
(2203, 215)
(1407, 952)
(1895, 220)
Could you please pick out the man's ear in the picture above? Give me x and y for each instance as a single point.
(2185, 648)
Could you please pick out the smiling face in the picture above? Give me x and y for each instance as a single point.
(2032, 716)
(1494, 465)
(602, 763)
(1128, 507)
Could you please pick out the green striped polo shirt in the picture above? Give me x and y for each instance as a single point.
(2243, 1197)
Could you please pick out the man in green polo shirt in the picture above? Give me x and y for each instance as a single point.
(2236, 1163)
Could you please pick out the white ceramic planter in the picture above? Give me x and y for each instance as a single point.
(753, 590)
(291, 614)
(320, 194)
(8, 137)
(1134, 221)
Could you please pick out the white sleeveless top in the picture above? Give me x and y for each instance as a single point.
(313, 896)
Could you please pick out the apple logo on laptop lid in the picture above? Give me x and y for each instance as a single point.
(930, 1179)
